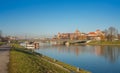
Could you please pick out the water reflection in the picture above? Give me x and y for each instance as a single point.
(97, 59)
(111, 53)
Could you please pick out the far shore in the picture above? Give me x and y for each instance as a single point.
(99, 43)
(104, 43)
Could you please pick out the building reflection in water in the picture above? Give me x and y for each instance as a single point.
(99, 50)
(110, 53)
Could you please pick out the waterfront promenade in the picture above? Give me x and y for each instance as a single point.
(4, 58)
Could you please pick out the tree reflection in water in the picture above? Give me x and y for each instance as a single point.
(111, 53)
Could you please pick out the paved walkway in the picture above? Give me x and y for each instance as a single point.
(4, 58)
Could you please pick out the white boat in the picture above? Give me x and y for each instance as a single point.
(32, 45)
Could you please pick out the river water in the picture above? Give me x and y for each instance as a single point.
(96, 59)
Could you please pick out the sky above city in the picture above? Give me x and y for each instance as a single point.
(48, 17)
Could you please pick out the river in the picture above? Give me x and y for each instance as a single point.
(96, 59)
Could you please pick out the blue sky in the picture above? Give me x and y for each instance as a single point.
(47, 17)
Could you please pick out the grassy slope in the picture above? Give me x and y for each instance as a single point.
(24, 61)
(104, 43)
(71, 68)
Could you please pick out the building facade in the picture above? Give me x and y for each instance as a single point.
(77, 35)
(97, 35)
(72, 36)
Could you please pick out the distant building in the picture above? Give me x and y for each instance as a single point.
(71, 36)
(77, 35)
(97, 35)
(83, 36)
(12, 37)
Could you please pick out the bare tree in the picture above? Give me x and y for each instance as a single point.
(111, 33)
(106, 34)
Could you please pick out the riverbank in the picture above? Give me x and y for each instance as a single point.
(1, 43)
(26, 61)
(72, 69)
(114, 43)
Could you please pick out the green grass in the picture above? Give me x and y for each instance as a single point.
(1, 43)
(71, 68)
(22, 61)
(104, 43)
(25, 61)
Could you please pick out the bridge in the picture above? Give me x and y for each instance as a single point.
(76, 42)
(64, 41)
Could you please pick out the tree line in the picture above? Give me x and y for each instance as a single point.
(112, 34)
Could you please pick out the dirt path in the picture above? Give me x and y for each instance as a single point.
(4, 58)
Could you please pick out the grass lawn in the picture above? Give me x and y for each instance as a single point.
(1, 43)
(104, 43)
(71, 68)
(25, 61)
(22, 61)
